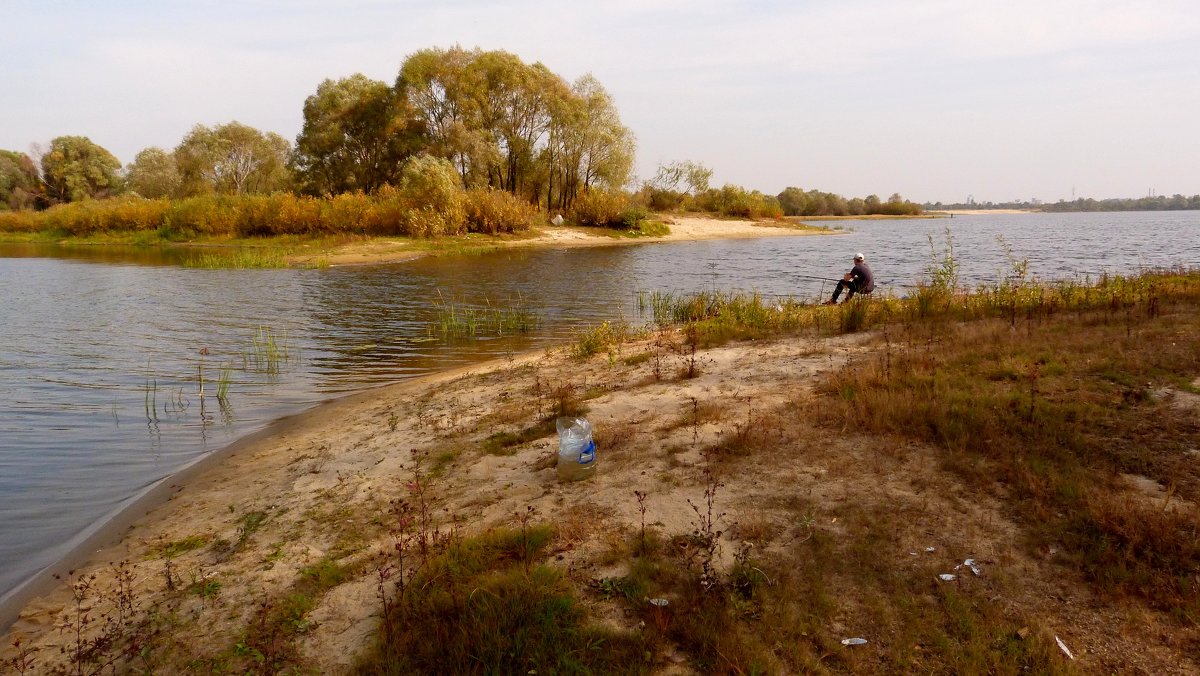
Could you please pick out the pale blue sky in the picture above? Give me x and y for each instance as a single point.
(935, 99)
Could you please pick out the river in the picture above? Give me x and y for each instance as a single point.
(103, 351)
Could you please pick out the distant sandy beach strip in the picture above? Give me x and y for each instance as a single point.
(683, 229)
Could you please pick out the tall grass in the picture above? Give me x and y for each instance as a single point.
(459, 320)
(268, 352)
(223, 382)
(721, 316)
(239, 259)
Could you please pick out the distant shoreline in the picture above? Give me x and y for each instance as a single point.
(981, 212)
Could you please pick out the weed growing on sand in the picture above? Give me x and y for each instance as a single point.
(601, 338)
(526, 551)
(477, 604)
(641, 500)
(248, 524)
(23, 661)
(692, 362)
(104, 629)
(705, 534)
(269, 642)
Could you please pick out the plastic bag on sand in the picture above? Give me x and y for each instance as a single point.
(576, 450)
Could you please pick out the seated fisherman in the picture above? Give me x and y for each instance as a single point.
(857, 280)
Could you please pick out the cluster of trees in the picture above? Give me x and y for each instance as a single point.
(1156, 203)
(796, 202)
(685, 185)
(501, 123)
(484, 119)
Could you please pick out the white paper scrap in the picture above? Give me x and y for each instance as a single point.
(1063, 646)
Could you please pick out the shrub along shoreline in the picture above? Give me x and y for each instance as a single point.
(388, 213)
(281, 230)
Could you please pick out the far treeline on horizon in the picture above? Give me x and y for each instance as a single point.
(464, 140)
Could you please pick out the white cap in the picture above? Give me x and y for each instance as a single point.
(859, 257)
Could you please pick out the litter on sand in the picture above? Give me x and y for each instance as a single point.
(945, 577)
(659, 602)
(930, 549)
(854, 641)
(1063, 646)
(969, 563)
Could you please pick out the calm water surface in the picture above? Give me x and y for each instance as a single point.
(102, 351)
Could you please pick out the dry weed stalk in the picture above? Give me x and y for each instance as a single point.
(705, 532)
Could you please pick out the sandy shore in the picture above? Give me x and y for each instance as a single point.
(317, 487)
(682, 229)
(321, 480)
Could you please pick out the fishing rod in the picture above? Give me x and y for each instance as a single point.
(831, 279)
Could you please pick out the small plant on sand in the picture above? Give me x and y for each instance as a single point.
(641, 500)
(705, 533)
(22, 662)
(600, 338)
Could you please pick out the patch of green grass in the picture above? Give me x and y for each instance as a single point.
(248, 524)
(457, 320)
(600, 338)
(505, 443)
(269, 643)
(169, 550)
(639, 358)
(205, 589)
(442, 458)
(489, 605)
(239, 259)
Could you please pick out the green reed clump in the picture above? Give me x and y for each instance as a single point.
(268, 352)
(223, 381)
(239, 259)
(720, 316)
(456, 320)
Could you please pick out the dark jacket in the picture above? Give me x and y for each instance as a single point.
(864, 281)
